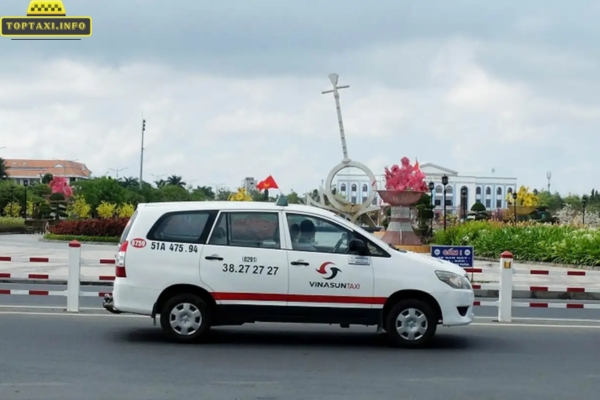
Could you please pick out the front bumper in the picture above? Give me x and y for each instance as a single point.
(109, 304)
(456, 306)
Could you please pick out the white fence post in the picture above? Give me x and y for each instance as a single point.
(74, 276)
(506, 284)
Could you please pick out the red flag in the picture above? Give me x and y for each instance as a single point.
(268, 183)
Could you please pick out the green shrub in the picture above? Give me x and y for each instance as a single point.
(11, 224)
(68, 238)
(527, 241)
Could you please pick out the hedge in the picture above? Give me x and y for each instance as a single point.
(68, 238)
(10, 224)
(111, 227)
(528, 241)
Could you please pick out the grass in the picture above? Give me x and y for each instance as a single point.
(68, 238)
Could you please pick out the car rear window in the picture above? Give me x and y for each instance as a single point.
(182, 227)
(128, 227)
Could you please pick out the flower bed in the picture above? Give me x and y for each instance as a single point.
(112, 227)
(528, 241)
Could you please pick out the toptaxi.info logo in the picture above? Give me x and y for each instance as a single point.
(46, 20)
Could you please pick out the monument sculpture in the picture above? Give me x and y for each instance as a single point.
(338, 204)
(404, 187)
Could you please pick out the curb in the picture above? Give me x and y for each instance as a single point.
(67, 242)
(545, 264)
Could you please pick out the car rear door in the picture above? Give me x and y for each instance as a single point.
(244, 264)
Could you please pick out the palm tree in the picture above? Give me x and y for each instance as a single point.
(129, 182)
(175, 180)
(160, 183)
(3, 169)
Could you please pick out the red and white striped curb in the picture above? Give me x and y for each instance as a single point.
(566, 289)
(101, 261)
(33, 276)
(62, 293)
(540, 305)
(534, 272)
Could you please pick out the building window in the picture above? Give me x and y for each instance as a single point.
(499, 191)
(510, 190)
(438, 202)
(478, 190)
(448, 202)
(439, 189)
(354, 187)
(365, 188)
(343, 187)
(498, 203)
(449, 190)
(488, 191)
(488, 203)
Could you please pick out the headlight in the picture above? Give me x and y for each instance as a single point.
(454, 280)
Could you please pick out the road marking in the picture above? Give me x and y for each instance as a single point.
(66, 314)
(513, 325)
(545, 319)
(33, 384)
(49, 307)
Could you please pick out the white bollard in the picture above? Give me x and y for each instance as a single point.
(74, 276)
(506, 284)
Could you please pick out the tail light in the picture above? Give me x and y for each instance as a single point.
(120, 266)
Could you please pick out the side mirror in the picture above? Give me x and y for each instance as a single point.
(358, 247)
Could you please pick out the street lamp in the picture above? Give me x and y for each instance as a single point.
(514, 196)
(444, 183)
(584, 201)
(25, 183)
(463, 198)
(431, 189)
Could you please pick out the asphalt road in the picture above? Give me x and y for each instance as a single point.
(18, 301)
(64, 357)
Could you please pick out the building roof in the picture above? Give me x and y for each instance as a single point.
(24, 168)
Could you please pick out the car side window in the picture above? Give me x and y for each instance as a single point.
(182, 227)
(247, 229)
(314, 234)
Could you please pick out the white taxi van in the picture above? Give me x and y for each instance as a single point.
(202, 264)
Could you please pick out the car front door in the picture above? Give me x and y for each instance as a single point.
(244, 264)
(322, 275)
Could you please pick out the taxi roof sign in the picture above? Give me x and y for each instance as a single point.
(282, 201)
(54, 8)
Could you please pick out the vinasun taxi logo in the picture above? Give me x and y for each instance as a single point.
(46, 19)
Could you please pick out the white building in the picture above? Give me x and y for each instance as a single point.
(490, 190)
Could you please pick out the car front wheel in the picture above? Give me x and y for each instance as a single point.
(411, 323)
(185, 318)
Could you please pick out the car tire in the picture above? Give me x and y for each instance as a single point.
(185, 318)
(411, 324)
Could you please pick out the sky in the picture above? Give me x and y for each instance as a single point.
(232, 89)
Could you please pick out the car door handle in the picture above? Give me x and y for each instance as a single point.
(300, 262)
(214, 257)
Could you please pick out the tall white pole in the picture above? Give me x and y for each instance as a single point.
(336, 95)
(142, 153)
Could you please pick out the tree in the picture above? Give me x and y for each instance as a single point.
(175, 193)
(175, 180)
(203, 193)
(3, 169)
(47, 178)
(130, 182)
(160, 183)
(293, 198)
(553, 202)
(97, 190)
(478, 207)
(223, 194)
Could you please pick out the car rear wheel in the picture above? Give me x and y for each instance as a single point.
(185, 318)
(411, 323)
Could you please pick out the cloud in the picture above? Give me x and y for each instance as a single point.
(235, 90)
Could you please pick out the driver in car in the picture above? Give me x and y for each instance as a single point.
(307, 235)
